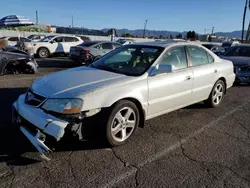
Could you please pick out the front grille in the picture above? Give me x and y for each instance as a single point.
(34, 99)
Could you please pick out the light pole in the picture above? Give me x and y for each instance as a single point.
(243, 21)
(145, 25)
(72, 22)
(212, 30)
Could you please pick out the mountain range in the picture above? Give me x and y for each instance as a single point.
(157, 33)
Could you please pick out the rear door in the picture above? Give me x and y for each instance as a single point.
(205, 72)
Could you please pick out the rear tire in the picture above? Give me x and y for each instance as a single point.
(216, 95)
(122, 122)
(43, 53)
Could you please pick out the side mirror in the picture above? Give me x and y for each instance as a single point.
(160, 69)
(51, 42)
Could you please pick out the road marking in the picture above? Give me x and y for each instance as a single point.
(171, 148)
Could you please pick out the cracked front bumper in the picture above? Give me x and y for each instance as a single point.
(35, 124)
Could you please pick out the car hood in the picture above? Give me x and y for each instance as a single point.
(238, 60)
(74, 82)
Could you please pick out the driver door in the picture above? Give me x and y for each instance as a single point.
(57, 45)
(170, 91)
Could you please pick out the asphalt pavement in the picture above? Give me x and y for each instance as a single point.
(191, 147)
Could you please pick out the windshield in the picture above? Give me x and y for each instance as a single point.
(226, 44)
(47, 39)
(238, 51)
(133, 60)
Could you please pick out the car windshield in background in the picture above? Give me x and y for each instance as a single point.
(208, 46)
(47, 39)
(88, 44)
(226, 44)
(129, 60)
(238, 51)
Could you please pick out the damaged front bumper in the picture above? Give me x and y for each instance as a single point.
(35, 124)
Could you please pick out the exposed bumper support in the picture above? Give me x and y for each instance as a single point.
(37, 141)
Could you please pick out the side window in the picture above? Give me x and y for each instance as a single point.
(107, 46)
(75, 39)
(175, 57)
(68, 39)
(13, 39)
(198, 56)
(117, 45)
(210, 58)
(58, 39)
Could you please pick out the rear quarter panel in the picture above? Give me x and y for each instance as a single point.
(226, 70)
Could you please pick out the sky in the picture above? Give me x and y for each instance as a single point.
(171, 15)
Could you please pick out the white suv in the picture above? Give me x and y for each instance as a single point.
(52, 44)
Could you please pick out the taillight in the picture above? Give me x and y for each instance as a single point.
(86, 51)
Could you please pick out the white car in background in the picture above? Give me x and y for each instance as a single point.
(119, 91)
(52, 44)
(12, 41)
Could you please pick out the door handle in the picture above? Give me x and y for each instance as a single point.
(215, 70)
(188, 78)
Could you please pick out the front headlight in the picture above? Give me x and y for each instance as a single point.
(63, 106)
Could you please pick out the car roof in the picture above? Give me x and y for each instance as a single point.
(166, 44)
(242, 45)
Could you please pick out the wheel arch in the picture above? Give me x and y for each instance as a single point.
(139, 106)
(225, 82)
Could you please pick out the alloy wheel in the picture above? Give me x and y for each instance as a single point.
(123, 124)
(217, 93)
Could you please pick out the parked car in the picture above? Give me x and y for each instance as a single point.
(120, 90)
(12, 41)
(215, 48)
(13, 60)
(87, 52)
(125, 41)
(36, 37)
(240, 56)
(227, 44)
(52, 44)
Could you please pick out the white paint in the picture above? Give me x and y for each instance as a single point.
(171, 148)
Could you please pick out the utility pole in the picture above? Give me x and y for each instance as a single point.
(145, 25)
(243, 21)
(36, 17)
(72, 22)
(212, 30)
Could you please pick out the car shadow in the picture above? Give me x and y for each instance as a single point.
(13, 144)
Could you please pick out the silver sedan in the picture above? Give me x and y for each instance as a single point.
(118, 92)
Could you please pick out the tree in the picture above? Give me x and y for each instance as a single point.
(109, 32)
(127, 35)
(179, 36)
(171, 37)
(161, 37)
(191, 35)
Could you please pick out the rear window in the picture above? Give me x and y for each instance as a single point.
(88, 44)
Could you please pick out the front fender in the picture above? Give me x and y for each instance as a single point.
(107, 97)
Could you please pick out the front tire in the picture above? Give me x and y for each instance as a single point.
(122, 122)
(43, 53)
(216, 95)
